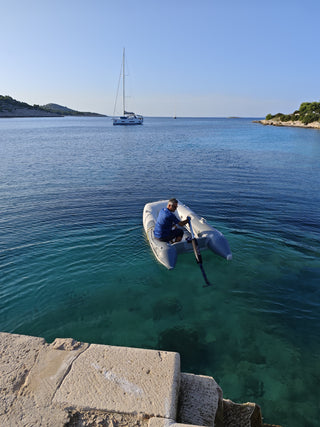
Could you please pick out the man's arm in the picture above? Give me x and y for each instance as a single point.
(182, 223)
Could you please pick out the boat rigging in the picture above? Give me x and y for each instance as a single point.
(127, 118)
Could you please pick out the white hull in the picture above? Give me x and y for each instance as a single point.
(167, 253)
(128, 120)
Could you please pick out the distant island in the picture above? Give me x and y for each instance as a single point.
(308, 116)
(10, 107)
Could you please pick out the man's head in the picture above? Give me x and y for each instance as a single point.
(172, 204)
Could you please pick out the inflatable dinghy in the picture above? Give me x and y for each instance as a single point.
(167, 253)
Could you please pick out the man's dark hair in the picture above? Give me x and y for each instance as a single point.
(173, 201)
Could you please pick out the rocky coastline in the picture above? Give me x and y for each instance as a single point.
(290, 123)
(26, 112)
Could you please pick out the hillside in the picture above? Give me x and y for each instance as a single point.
(65, 111)
(10, 107)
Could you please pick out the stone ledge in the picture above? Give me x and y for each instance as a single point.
(68, 383)
(123, 380)
(165, 422)
(200, 401)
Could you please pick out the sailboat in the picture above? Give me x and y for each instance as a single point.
(128, 118)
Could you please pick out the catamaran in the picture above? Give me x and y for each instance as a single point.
(128, 118)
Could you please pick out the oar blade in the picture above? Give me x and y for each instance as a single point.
(205, 277)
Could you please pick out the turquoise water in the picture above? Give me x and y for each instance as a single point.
(75, 263)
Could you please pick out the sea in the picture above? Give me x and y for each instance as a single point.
(75, 262)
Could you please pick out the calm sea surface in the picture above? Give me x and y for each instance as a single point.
(74, 261)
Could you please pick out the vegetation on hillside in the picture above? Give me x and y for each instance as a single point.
(65, 111)
(308, 112)
(8, 104)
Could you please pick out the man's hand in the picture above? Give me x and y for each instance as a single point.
(184, 222)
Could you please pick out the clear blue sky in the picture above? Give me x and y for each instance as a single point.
(189, 57)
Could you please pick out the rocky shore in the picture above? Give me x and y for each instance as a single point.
(70, 383)
(26, 112)
(297, 123)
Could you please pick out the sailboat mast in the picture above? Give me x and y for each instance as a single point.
(123, 83)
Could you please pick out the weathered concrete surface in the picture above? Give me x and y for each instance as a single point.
(60, 381)
(19, 356)
(165, 422)
(200, 401)
(68, 383)
(245, 415)
(123, 380)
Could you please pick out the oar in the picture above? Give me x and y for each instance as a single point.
(197, 254)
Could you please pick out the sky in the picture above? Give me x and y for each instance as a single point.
(190, 58)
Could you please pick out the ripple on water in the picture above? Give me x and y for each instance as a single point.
(75, 262)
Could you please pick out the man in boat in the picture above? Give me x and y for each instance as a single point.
(166, 220)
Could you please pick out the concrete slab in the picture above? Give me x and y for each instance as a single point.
(52, 365)
(242, 415)
(18, 354)
(73, 383)
(200, 401)
(165, 422)
(123, 380)
(25, 412)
